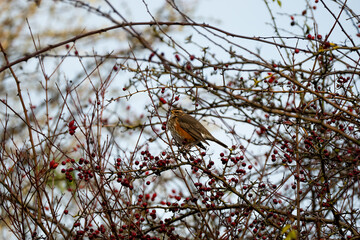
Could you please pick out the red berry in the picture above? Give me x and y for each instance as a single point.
(192, 57)
(151, 56)
(297, 50)
(188, 66)
(53, 164)
(71, 123)
(162, 100)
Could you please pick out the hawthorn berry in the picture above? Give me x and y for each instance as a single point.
(53, 164)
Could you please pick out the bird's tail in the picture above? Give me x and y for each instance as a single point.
(219, 142)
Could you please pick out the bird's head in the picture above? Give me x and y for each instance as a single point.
(176, 112)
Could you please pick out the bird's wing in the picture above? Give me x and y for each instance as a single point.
(193, 127)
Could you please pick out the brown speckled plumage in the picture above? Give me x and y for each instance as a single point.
(186, 130)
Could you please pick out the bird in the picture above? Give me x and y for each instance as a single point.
(188, 131)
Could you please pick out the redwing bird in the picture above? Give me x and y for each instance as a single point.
(186, 130)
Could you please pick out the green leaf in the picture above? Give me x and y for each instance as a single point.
(291, 235)
(188, 39)
(279, 3)
(284, 230)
